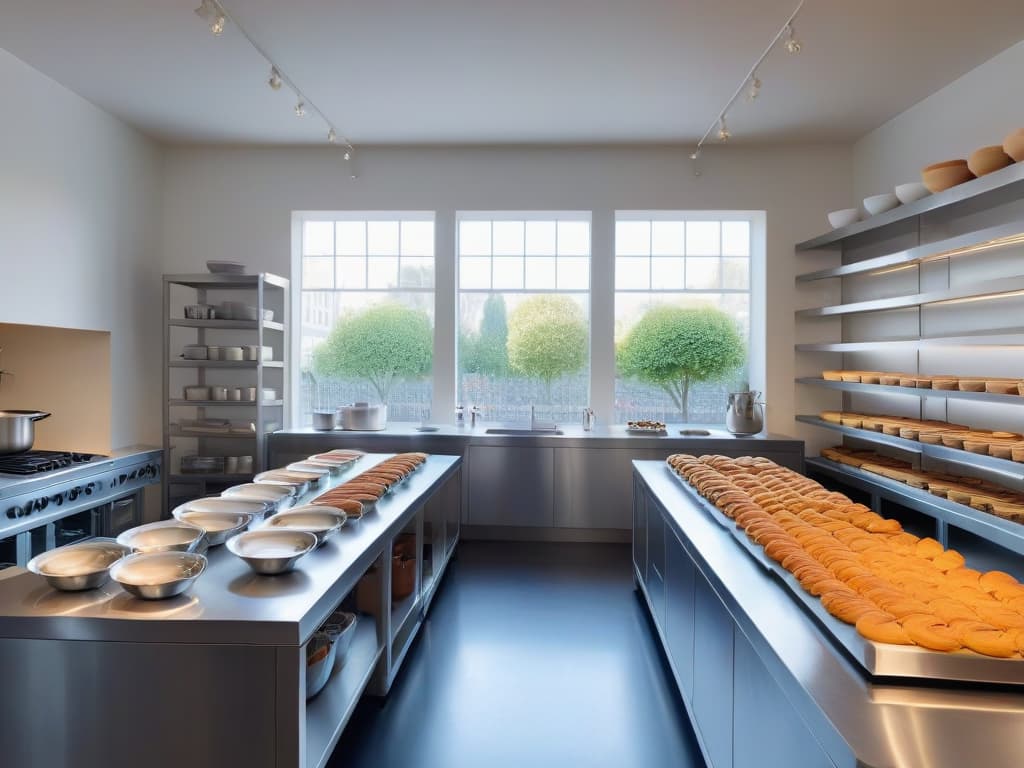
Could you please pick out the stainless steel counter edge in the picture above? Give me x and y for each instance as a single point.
(883, 725)
(13, 485)
(228, 603)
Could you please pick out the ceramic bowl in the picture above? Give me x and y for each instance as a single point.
(270, 552)
(158, 575)
(911, 192)
(1013, 145)
(843, 218)
(322, 521)
(877, 204)
(988, 159)
(945, 175)
(165, 536)
(78, 567)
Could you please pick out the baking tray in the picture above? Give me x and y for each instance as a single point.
(881, 660)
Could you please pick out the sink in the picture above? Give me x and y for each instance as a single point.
(522, 431)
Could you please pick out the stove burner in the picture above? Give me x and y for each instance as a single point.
(35, 462)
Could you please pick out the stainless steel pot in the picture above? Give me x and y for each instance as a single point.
(744, 414)
(18, 430)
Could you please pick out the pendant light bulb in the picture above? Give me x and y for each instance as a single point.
(723, 130)
(332, 136)
(755, 88)
(300, 109)
(213, 15)
(275, 79)
(792, 44)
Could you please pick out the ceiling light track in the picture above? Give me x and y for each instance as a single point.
(751, 83)
(217, 16)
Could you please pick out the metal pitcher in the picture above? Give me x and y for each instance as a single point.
(745, 413)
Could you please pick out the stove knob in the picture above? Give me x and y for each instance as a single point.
(88, 489)
(121, 479)
(73, 493)
(133, 475)
(14, 512)
(42, 503)
(58, 499)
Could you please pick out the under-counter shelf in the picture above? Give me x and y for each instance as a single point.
(990, 527)
(985, 289)
(881, 389)
(1007, 180)
(235, 325)
(1002, 466)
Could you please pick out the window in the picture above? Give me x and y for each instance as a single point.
(679, 260)
(367, 285)
(524, 329)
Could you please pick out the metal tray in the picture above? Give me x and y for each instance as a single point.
(877, 659)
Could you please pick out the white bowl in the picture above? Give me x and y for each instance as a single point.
(880, 203)
(322, 521)
(270, 552)
(164, 536)
(225, 267)
(843, 218)
(219, 526)
(912, 192)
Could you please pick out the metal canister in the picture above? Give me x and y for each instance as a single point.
(588, 419)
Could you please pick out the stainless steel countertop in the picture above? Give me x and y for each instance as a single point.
(228, 603)
(884, 725)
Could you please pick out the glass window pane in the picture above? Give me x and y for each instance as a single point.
(573, 238)
(667, 273)
(573, 273)
(382, 271)
(632, 238)
(667, 238)
(702, 273)
(351, 272)
(508, 238)
(736, 273)
(475, 272)
(318, 272)
(508, 272)
(540, 273)
(632, 273)
(540, 238)
(702, 238)
(417, 238)
(416, 272)
(351, 238)
(382, 238)
(474, 238)
(735, 238)
(317, 238)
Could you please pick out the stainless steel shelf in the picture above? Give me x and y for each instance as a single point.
(227, 282)
(239, 325)
(174, 432)
(1005, 467)
(1003, 337)
(1002, 532)
(237, 364)
(927, 252)
(987, 288)
(1002, 179)
(219, 403)
(879, 389)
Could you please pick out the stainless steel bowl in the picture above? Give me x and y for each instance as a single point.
(270, 552)
(257, 508)
(219, 526)
(165, 536)
(158, 575)
(322, 521)
(78, 567)
(278, 497)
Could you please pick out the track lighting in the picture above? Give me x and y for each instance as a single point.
(275, 79)
(300, 109)
(695, 154)
(347, 155)
(211, 12)
(723, 130)
(332, 136)
(755, 88)
(792, 44)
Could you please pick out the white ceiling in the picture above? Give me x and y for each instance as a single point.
(521, 71)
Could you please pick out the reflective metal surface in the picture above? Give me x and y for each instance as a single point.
(523, 431)
(164, 536)
(78, 567)
(158, 575)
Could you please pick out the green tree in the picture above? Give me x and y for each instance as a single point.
(547, 339)
(486, 352)
(673, 347)
(382, 345)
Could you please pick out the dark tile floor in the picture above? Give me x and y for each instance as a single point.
(534, 655)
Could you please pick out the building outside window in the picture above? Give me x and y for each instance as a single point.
(671, 261)
(523, 314)
(367, 309)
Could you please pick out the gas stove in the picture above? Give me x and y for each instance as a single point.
(36, 462)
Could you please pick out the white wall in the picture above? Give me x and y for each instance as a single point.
(79, 201)
(237, 204)
(977, 110)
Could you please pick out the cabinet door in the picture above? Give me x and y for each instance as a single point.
(768, 732)
(592, 486)
(712, 673)
(679, 580)
(656, 559)
(511, 486)
(639, 529)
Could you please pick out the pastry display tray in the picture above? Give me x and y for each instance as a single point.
(882, 660)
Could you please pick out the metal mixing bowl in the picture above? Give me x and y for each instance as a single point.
(78, 567)
(219, 526)
(165, 536)
(270, 552)
(322, 521)
(158, 575)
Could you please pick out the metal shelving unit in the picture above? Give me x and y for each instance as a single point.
(263, 291)
(880, 389)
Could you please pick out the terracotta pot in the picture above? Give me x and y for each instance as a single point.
(947, 174)
(1013, 145)
(988, 159)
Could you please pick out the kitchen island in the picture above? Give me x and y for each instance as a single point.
(217, 676)
(580, 481)
(764, 679)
